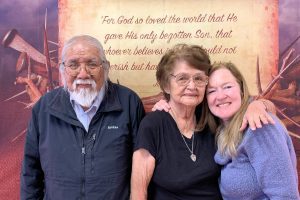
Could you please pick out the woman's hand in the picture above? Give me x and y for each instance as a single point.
(257, 114)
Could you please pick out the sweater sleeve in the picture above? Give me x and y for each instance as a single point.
(270, 152)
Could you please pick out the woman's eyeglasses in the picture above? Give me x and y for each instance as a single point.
(184, 79)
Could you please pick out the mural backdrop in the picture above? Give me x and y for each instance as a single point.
(265, 46)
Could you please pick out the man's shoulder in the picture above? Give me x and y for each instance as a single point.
(122, 91)
(50, 96)
(122, 98)
(121, 88)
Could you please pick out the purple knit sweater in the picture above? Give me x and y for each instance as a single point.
(264, 168)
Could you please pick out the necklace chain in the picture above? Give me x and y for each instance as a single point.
(192, 156)
(190, 150)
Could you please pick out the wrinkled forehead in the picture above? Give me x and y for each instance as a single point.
(220, 77)
(82, 50)
(182, 66)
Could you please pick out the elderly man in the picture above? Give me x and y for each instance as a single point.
(81, 137)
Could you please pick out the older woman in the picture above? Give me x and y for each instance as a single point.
(258, 164)
(173, 154)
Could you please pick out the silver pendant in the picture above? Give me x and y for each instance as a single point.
(193, 157)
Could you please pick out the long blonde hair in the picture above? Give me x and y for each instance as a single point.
(228, 138)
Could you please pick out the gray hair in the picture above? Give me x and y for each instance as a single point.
(91, 41)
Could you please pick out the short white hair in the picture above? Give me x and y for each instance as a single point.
(90, 41)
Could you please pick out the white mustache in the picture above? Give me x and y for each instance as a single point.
(84, 81)
(84, 96)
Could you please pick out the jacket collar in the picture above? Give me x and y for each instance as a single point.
(111, 100)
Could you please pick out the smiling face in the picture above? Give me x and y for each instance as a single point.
(189, 95)
(223, 94)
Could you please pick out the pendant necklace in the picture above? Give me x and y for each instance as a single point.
(192, 156)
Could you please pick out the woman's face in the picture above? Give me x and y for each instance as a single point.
(186, 85)
(223, 94)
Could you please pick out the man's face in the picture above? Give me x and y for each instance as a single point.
(82, 62)
(84, 73)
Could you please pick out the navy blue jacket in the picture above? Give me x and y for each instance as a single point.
(63, 161)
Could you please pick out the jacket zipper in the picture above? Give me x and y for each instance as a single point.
(83, 168)
(98, 133)
(92, 153)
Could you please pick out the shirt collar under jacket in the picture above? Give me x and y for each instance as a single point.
(85, 117)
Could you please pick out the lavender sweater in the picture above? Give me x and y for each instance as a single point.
(265, 166)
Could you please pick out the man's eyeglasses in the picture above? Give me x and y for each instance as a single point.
(74, 67)
(183, 79)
